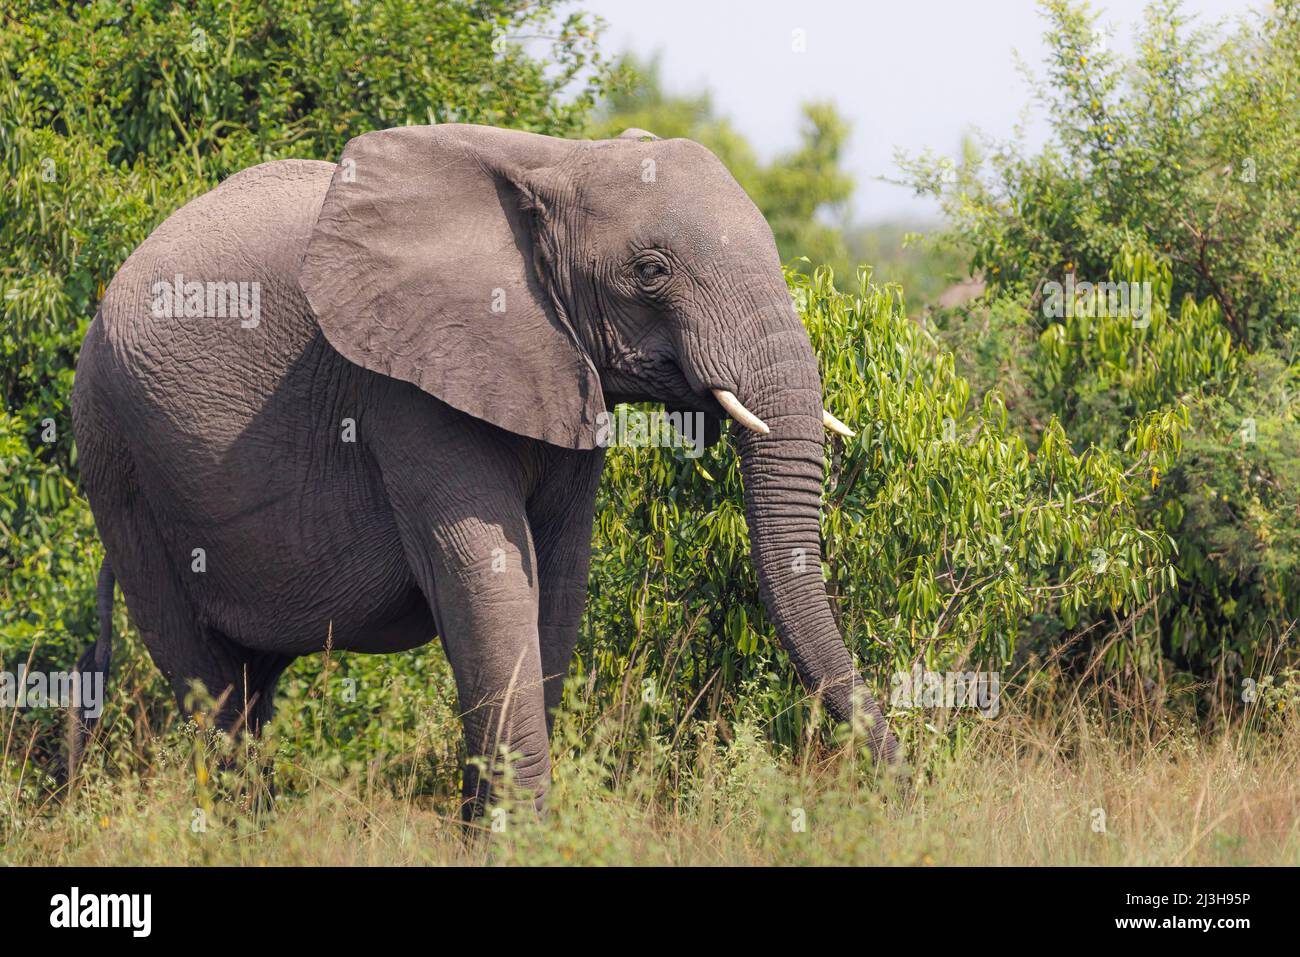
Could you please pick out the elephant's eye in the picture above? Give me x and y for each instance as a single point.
(650, 272)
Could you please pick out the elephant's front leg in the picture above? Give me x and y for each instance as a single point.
(486, 607)
(459, 503)
(560, 515)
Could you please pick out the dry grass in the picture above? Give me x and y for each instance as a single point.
(1015, 790)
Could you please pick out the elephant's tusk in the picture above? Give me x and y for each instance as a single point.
(738, 412)
(835, 425)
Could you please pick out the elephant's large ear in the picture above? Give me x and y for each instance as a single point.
(423, 266)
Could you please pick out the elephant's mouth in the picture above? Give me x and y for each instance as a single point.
(720, 399)
(736, 410)
(639, 377)
(636, 378)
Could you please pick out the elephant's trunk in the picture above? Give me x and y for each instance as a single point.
(783, 473)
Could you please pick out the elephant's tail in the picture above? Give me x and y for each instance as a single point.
(90, 678)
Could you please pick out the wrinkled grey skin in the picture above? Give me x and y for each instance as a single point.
(628, 269)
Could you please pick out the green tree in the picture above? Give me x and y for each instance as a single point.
(1176, 168)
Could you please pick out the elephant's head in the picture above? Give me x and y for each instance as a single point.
(529, 280)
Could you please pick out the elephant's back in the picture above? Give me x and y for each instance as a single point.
(205, 320)
(259, 211)
(218, 278)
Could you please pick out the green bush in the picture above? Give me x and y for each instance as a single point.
(1177, 167)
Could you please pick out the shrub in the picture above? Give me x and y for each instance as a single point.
(1177, 168)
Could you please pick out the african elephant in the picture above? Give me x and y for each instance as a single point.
(359, 402)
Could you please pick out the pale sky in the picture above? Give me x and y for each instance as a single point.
(909, 73)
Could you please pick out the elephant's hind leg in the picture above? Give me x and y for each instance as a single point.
(244, 691)
(241, 682)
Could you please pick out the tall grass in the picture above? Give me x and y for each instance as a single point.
(1076, 781)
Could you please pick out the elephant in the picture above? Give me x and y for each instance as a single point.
(357, 404)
